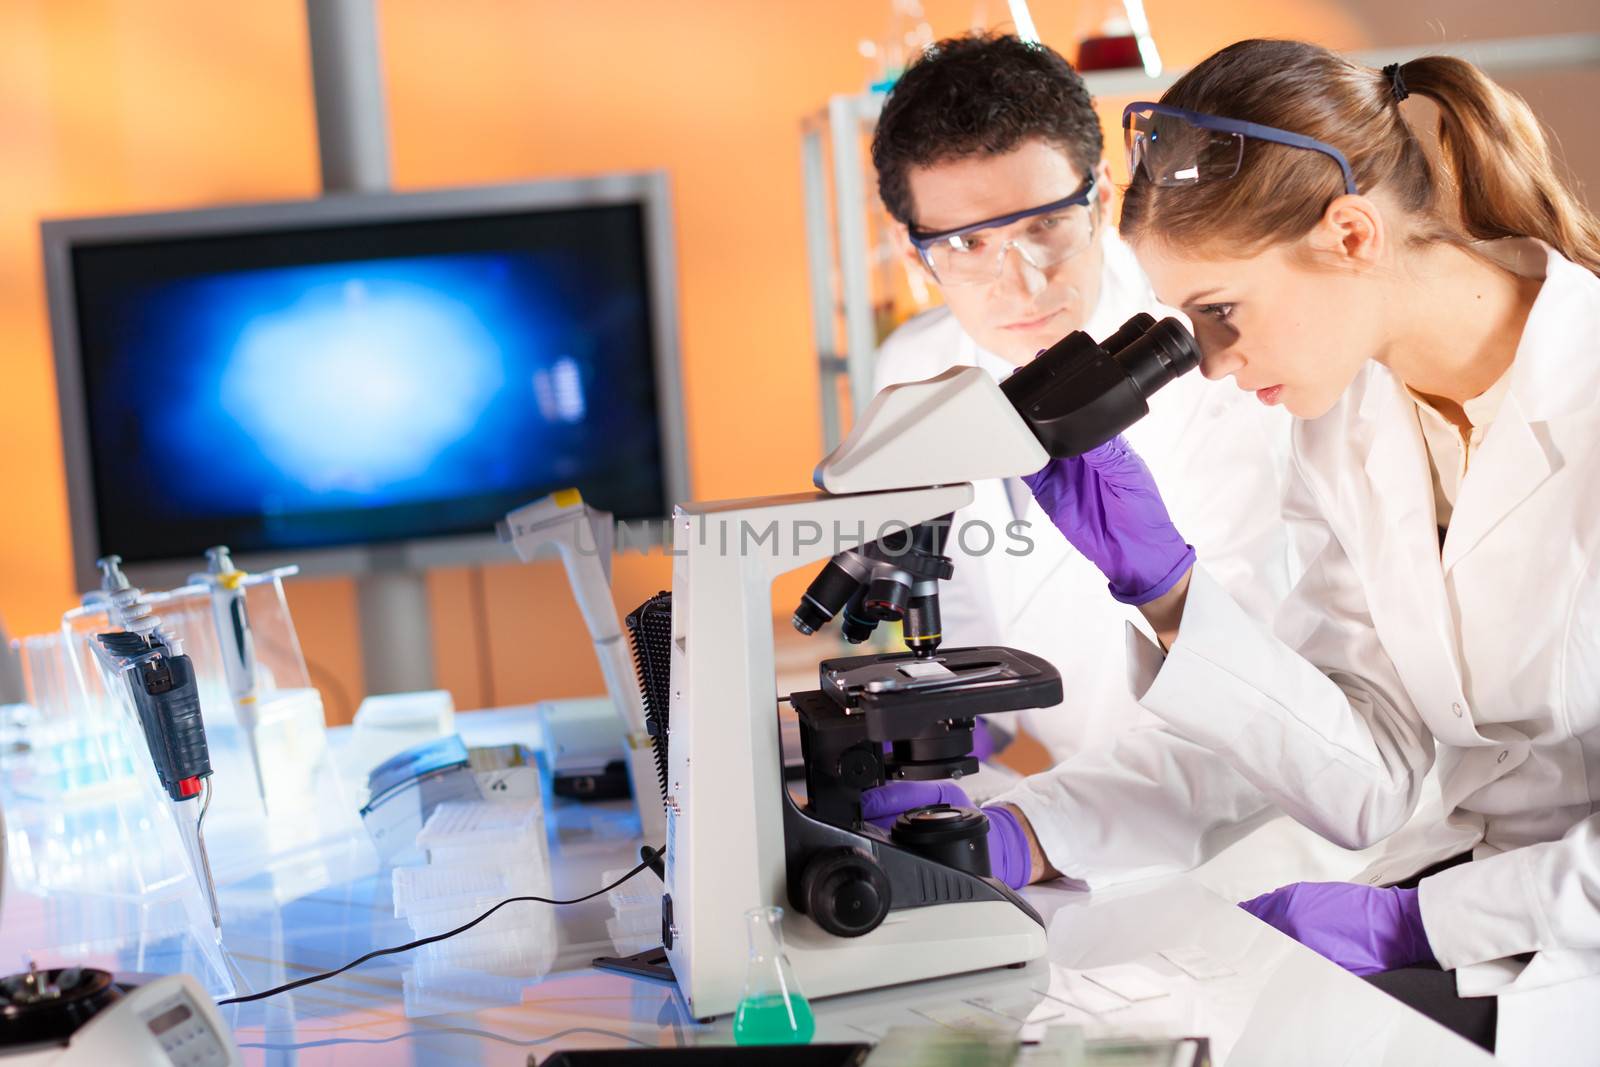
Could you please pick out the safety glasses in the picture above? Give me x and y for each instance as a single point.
(1044, 236)
(1174, 146)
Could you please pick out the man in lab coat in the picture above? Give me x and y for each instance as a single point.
(989, 128)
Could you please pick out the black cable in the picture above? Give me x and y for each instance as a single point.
(651, 858)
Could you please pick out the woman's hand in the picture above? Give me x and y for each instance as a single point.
(1364, 929)
(1106, 504)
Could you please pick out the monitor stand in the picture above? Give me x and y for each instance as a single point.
(353, 148)
(396, 634)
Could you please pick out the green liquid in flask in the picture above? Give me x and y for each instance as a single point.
(773, 1020)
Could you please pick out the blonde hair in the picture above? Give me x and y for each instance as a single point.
(1499, 178)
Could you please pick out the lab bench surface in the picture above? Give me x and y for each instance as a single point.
(1165, 957)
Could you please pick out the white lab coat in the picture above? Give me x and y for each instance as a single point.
(1386, 659)
(1221, 452)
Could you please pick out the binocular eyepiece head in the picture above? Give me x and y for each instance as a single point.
(1077, 394)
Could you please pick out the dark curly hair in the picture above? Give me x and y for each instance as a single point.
(980, 94)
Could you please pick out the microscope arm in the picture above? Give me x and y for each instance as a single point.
(963, 426)
(955, 427)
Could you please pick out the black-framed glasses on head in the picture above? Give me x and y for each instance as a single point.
(1043, 236)
(1175, 146)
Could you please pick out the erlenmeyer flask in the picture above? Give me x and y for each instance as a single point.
(772, 1010)
(1115, 35)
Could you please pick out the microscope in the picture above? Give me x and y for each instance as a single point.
(864, 907)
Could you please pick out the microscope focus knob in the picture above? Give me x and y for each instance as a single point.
(860, 767)
(845, 891)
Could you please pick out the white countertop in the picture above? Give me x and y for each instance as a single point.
(1260, 997)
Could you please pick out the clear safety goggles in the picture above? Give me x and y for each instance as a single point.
(1178, 147)
(1043, 236)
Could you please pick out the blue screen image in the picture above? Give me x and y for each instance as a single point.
(345, 384)
(368, 400)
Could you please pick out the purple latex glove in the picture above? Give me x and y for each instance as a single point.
(1364, 929)
(1008, 844)
(1106, 504)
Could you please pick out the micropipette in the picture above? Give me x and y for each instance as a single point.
(227, 584)
(166, 699)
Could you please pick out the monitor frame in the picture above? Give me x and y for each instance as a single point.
(650, 190)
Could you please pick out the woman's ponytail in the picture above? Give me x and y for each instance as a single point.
(1500, 162)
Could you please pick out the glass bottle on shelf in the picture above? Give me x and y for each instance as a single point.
(1115, 35)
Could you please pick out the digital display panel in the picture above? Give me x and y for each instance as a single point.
(169, 1018)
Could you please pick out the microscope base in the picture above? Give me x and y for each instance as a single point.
(652, 963)
(911, 946)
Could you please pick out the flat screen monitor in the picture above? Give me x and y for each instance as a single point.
(364, 380)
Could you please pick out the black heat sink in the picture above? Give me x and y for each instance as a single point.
(650, 626)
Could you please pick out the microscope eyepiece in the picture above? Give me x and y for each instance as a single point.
(1128, 333)
(1158, 355)
(1077, 395)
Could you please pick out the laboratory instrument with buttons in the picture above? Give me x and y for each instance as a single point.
(84, 1017)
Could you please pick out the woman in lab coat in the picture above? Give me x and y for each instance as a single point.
(1435, 328)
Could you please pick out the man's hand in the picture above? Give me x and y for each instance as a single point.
(1039, 869)
(1011, 846)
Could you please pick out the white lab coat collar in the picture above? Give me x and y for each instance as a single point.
(1552, 374)
(1549, 373)
(1399, 495)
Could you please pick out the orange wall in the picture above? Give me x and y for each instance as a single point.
(123, 105)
